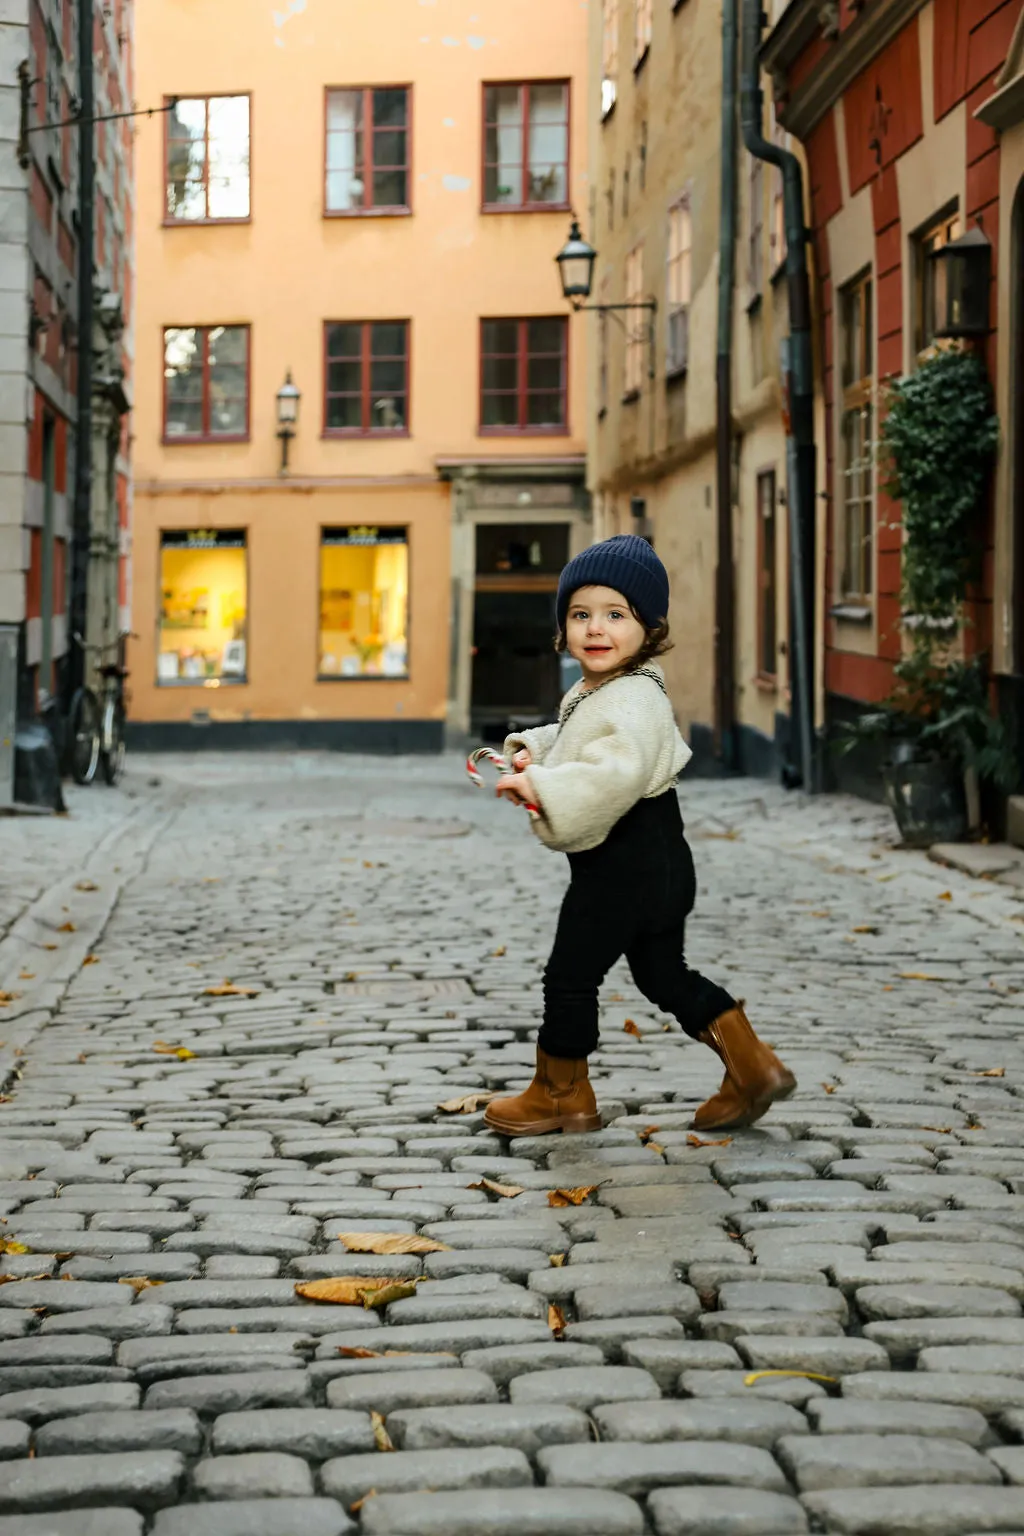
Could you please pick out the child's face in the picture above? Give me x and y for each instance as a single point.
(601, 631)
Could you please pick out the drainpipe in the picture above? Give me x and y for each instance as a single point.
(82, 516)
(725, 583)
(800, 401)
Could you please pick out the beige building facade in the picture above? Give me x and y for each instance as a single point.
(656, 135)
(352, 221)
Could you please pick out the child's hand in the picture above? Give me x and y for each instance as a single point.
(517, 788)
(521, 760)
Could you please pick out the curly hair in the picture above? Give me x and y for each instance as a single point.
(656, 643)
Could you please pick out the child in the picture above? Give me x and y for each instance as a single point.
(603, 778)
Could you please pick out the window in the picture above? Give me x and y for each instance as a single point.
(366, 385)
(755, 247)
(635, 321)
(610, 56)
(856, 320)
(368, 150)
(677, 285)
(777, 233)
(643, 30)
(526, 145)
(525, 375)
(203, 607)
(364, 602)
(206, 383)
(930, 279)
(767, 590)
(208, 159)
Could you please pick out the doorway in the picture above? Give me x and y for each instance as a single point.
(516, 677)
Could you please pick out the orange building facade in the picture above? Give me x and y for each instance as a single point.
(354, 225)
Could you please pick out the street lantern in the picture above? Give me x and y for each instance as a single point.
(288, 397)
(964, 297)
(576, 266)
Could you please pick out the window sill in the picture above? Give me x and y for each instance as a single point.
(202, 682)
(205, 442)
(778, 273)
(754, 305)
(642, 60)
(562, 431)
(766, 682)
(367, 213)
(363, 677)
(631, 397)
(851, 612)
(677, 374)
(525, 207)
(169, 223)
(332, 433)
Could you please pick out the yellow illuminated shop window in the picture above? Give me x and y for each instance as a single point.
(364, 602)
(203, 608)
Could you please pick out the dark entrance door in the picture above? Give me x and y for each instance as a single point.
(516, 674)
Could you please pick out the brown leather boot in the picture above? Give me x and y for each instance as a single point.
(560, 1098)
(754, 1076)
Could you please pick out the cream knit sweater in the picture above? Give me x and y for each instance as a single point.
(613, 745)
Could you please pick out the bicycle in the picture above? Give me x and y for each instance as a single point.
(97, 729)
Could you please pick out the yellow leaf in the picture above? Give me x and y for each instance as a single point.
(91, 960)
(919, 976)
(990, 1072)
(821, 914)
(380, 1434)
(384, 1295)
(346, 1292)
(86, 885)
(888, 988)
(67, 928)
(502, 949)
(467, 1105)
(556, 1320)
(556, 1260)
(648, 1131)
(390, 1242)
(354, 1509)
(181, 1051)
(695, 1141)
(946, 896)
(563, 1197)
(656, 1146)
(26, 975)
(883, 878)
(506, 1191)
(829, 1087)
(228, 989)
(139, 1282)
(348, 1353)
(748, 1381)
(629, 1028)
(8, 1245)
(940, 1130)
(867, 928)
(49, 946)
(8, 997)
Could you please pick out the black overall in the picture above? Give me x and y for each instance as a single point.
(629, 896)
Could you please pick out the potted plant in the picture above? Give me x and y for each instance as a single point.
(938, 438)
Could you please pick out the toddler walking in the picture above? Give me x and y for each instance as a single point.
(604, 778)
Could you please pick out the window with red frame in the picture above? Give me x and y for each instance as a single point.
(367, 161)
(526, 145)
(524, 375)
(207, 170)
(206, 383)
(366, 384)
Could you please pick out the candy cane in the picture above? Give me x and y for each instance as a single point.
(488, 754)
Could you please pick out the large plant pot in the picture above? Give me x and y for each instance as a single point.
(928, 801)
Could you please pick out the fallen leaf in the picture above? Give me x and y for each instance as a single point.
(354, 1509)
(656, 1146)
(731, 836)
(883, 878)
(181, 1051)
(380, 1434)
(6, 1279)
(866, 928)
(940, 1130)
(888, 988)
(556, 1321)
(8, 997)
(228, 989)
(821, 914)
(919, 976)
(467, 1105)
(990, 1072)
(946, 896)
(67, 928)
(50, 946)
(26, 975)
(562, 1197)
(829, 1087)
(139, 1282)
(8, 1245)
(629, 1028)
(384, 1295)
(647, 1132)
(748, 1381)
(86, 885)
(347, 1292)
(502, 949)
(556, 1260)
(82, 1057)
(91, 960)
(390, 1242)
(348, 1353)
(695, 1141)
(506, 1191)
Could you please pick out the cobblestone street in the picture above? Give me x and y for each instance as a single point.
(234, 995)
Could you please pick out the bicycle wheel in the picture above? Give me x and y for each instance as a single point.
(84, 736)
(112, 754)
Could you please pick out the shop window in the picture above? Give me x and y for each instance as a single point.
(609, 56)
(366, 391)
(930, 278)
(525, 375)
(206, 383)
(526, 145)
(858, 447)
(207, 149)
(203, 608)
(636, 323)
(767, 576)
(367, 159)
(678, 286)
(364, 602)
(643, 30)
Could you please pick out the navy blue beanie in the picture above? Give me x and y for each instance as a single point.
(626, 563)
